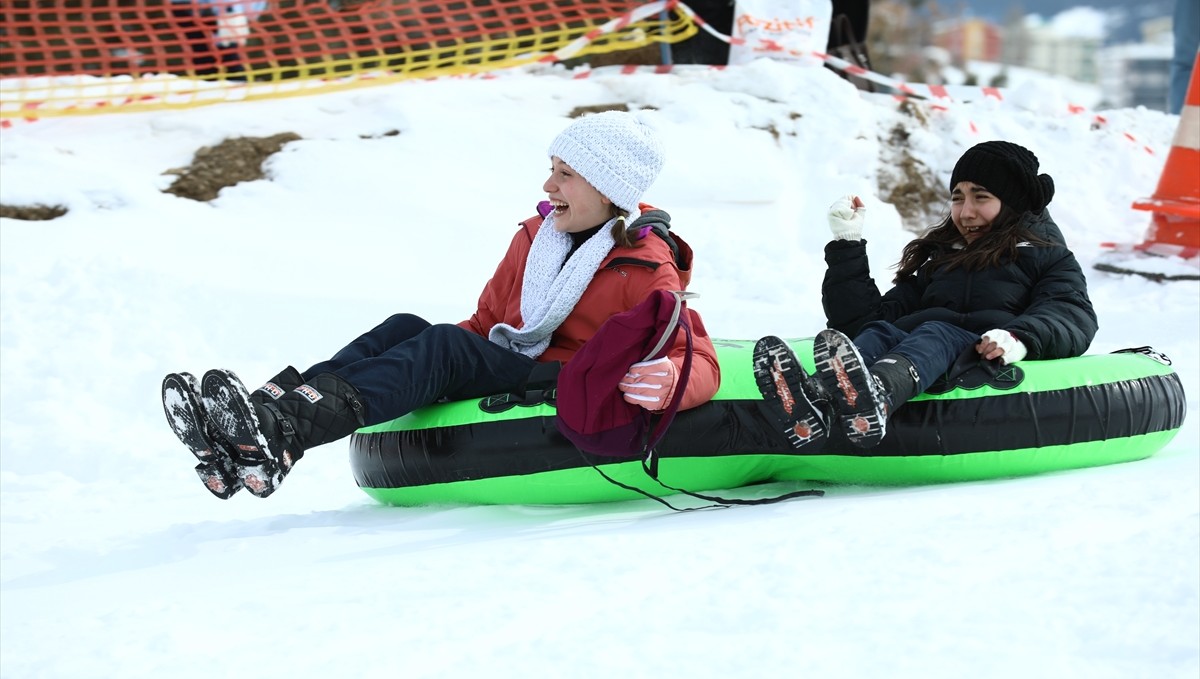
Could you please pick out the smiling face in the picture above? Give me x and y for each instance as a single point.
(578, 206)
(973, 209)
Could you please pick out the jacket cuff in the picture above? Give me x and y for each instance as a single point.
(843, 250)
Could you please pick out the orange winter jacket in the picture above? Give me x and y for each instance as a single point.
(624, 279)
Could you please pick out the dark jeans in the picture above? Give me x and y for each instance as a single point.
(932, 347)
(406, 363)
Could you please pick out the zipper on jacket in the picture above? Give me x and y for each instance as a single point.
(633, 261)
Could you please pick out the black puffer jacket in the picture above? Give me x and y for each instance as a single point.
(1041, 296)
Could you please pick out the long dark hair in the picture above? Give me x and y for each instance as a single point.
(938, 244)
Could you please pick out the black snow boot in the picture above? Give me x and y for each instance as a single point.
(859, 402)
(273, 389)
(186, 417)
(269, 438)
(183, 405)
(898, 379)
(792, 397)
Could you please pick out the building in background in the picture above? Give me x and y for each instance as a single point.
(1139, 74)
(1073, 44)
(1066, 44)
(968, 43)
(1135, 75)
(969, 39)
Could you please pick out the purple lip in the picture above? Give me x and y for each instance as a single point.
(544, 208)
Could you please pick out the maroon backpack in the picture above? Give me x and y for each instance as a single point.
(591, 410)
(594, 415)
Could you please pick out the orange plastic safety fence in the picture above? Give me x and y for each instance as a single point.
(83, 56)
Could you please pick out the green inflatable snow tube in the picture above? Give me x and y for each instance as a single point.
(1031, 417)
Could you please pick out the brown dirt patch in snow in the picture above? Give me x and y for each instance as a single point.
(230, 162)
(906, 182)
(580, 111)
(32, 213)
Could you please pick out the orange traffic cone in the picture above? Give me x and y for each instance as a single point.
(1175, 230)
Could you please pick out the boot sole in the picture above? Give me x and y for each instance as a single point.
(186, 417)
(780, 379)
(857, 400)
(228, 404)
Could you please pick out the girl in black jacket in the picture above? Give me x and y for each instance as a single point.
(995, 275)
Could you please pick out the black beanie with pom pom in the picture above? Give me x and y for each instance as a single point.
(1008, 171)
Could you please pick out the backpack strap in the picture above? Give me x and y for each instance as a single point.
(669, 331)
(650, 224)
(719, 502)
(650, 462)
(678, 318)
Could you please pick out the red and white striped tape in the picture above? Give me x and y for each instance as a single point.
(1185, 252)
(938, 95)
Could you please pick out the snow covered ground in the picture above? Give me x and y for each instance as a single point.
(116, 563)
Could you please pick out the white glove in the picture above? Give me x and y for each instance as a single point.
(847, 216)
(650, 384)
(1011, 348)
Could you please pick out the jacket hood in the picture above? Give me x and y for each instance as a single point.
(1042, 225)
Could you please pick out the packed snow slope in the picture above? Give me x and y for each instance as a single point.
(116, 563)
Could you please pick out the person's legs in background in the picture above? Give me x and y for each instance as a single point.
(1186, 27)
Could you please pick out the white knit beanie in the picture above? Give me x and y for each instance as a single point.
(618, 154)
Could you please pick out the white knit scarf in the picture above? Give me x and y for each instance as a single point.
(551, 288)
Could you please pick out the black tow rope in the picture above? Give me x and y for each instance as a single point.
(718, 502)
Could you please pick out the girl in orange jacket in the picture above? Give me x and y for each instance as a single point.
(591, 253)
